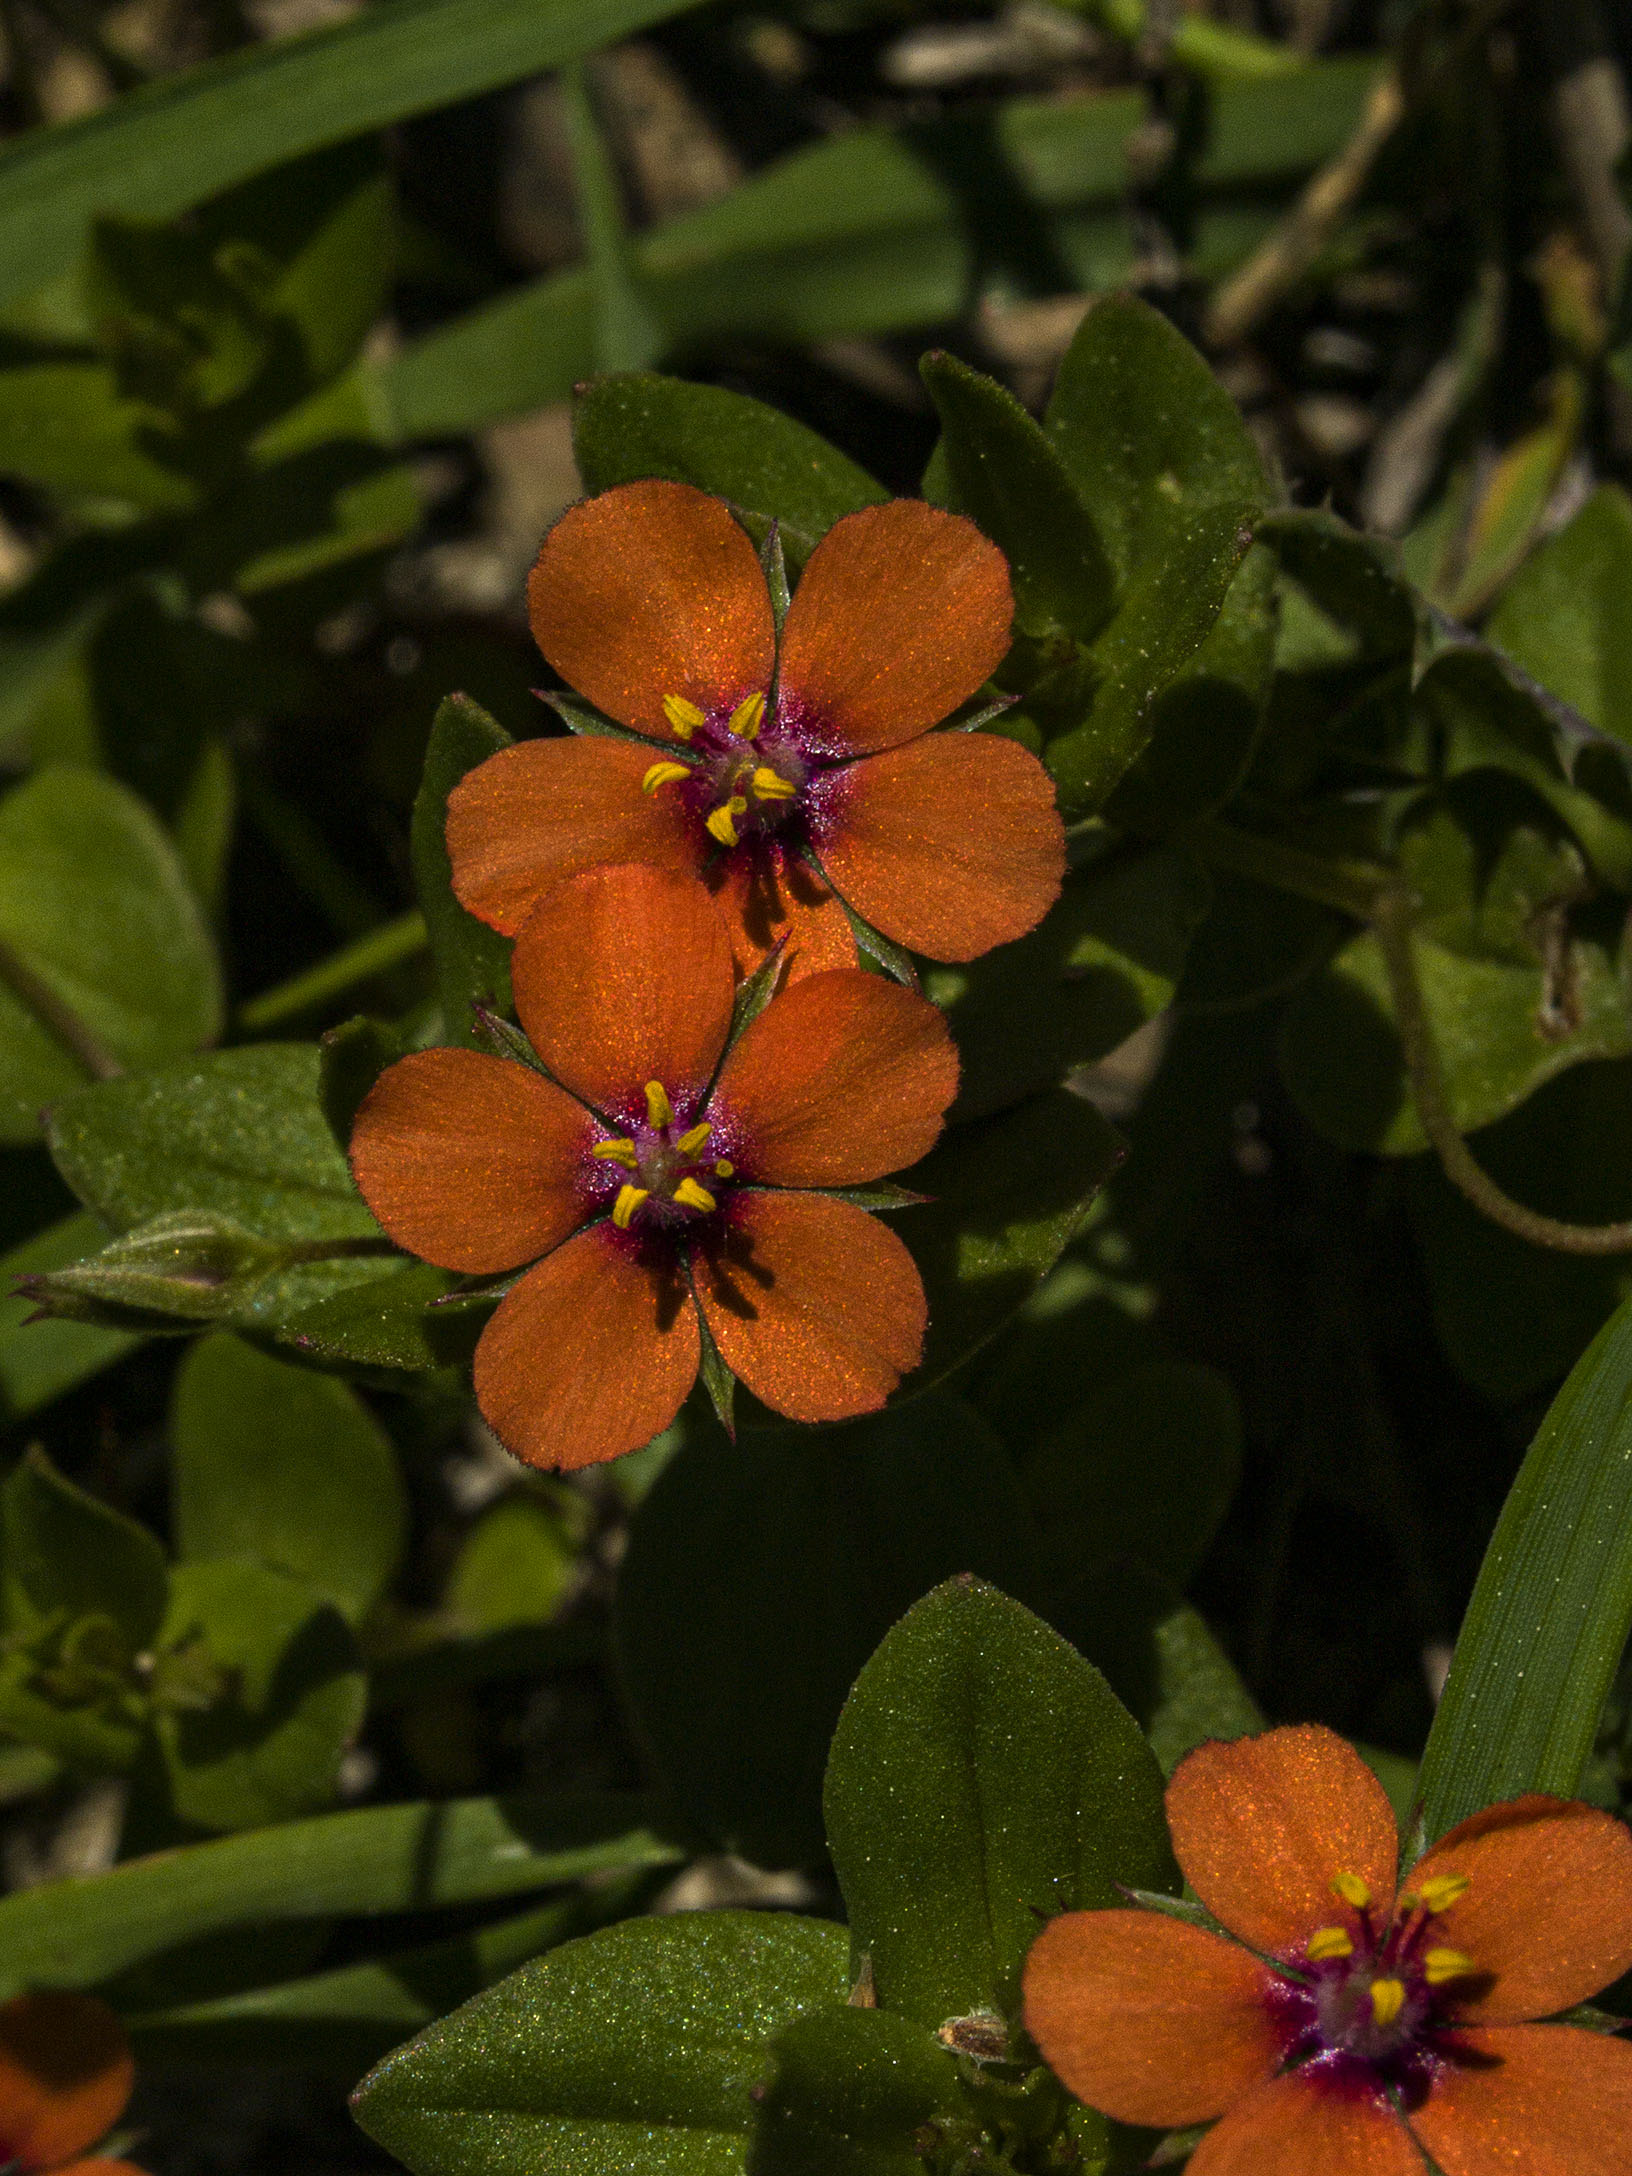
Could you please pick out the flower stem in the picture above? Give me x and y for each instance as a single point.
(371, 954)
(1391, 918)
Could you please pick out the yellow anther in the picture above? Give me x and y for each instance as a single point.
(692, 1196)
(657, 1104)
(689, 1143)
(722, 822)
(724, 1168)
(746, 720)
(1330, 1942)
(615, 1152)
(1387, 2000)
(628, 1201)
(664, 774)
(772, 786)
(1440, 1965)
(684, 718)
(1440, 1891)
(1352, 1890)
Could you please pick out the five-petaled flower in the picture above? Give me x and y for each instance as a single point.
(1352, 2022)
(65, 2078)
(782, 772)
(656, 1173)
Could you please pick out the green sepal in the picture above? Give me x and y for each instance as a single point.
(351, 1059)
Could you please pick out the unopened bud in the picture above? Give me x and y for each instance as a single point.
(166, 1274)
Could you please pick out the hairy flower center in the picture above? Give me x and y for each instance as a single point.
(1377, 1992)
(673, 1180)
(739, 777)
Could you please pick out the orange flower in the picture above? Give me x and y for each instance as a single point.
(65, 2078)
(649, 1181)
(1356, 2024)
(784, 772)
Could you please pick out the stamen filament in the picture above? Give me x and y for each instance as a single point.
(1330, 1942)
(664, 774)
(772, 786)
(689, 1143)
(658, 1111)
(692, 1196)
(746, 719)
(628, 1201)
(615, 1152)
(684, 718)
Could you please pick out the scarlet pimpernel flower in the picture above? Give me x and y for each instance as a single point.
(1354, 2023)
(65, 2079)
(782, 771)
(659, 1180)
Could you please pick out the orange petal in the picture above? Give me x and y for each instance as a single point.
(547, 809)
(901, 614)
(1534, 2100)
(623, 976)
(950, 845)
(65, 2076)
(1301, 2125)
(1261, 1826)
(1147, 2019)
(843, 1077)
(813, 1303)
(767, 896)
(1548, 1911)
(590, 1355)
(99, 2167)
(471, 1162)
(653, 589)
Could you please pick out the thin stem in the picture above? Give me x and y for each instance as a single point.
(57, 1017)
(1352, 887)
(1391, 922)
(374, 954)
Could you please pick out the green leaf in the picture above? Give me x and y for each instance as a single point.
(82, 1593)
(1148, 436)
(40, 1360)
(639, 424)
(160, 150)
(66, 1551)
(238, 1135)
(1566, 616)
(419, 1857)
(95, 909)
(627, 335)
(258, 1690)
(1008, 478)
(848, 2090)
(392, 1321)
(1105, 958)
(637, 2047)
(982, 1774)
(816, 1541)
(1551, 1608)
(351, 1059)
(472, 961)
(67, 426)
(1007, 1194)
(517, 1562)
(1499, 1035)
(1168, 608)
(338, 2022)
(1146, 1468)
(277, 1463)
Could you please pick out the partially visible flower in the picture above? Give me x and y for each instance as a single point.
(1352, 2027)
(782, 772)
(65, 2078)
(655, 1174)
